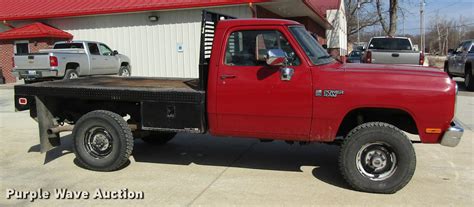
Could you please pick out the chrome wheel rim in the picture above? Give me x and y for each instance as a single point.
(73, 76)
(376, 161)
(125, 72)
(98, 142)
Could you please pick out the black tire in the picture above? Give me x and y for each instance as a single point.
(384, 141)
(468, 79)
(111, 132)
(70, 74)
(125, 71)
(158, 138)
(446, 69)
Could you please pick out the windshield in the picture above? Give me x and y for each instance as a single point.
(390, 44)
(311, 47)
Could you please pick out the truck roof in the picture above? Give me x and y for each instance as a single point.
(390, 37)
(77, 41)
(255, 22)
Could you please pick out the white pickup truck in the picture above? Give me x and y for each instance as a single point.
(392, 50)
(69, 60)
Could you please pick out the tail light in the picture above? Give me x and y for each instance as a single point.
(13, 61)
(368, 57)
(53, 61)
(23, 101)
(422, 58)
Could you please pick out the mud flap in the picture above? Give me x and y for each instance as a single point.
(45, 121)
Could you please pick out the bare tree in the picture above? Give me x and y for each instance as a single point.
(367, 17)
(390, 27)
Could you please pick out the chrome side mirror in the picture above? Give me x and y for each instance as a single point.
(276, 57)
(286, 73)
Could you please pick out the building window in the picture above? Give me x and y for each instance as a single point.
(21, 47)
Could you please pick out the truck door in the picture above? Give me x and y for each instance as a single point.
(98, 62)
(111, 62)
(252, 98)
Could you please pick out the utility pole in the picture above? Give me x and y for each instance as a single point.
(422, 25)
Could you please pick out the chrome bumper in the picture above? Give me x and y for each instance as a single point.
(452, 136)
(34, 74)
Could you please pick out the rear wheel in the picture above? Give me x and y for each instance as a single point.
(102, 141)
(71, 74)
(158, 138)
(377, 157)
(468, 81)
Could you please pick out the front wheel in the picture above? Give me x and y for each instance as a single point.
(377, 157)
(124, 71)
(446, 69)
(103, 141)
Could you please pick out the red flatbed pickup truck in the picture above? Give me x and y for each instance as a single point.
(267, 79)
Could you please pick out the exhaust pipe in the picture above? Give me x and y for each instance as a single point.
(58, 129)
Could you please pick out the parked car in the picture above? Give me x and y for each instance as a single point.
(354, 57)
(68, 60)
(459, 63)
(392, 50)
(261, 78)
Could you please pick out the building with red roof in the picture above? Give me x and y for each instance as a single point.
(148, 31)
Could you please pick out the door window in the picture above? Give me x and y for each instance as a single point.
(104, 50)
(249, 48)
(93, 49)
(21, 47)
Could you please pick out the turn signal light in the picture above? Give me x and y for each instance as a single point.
(433, 130)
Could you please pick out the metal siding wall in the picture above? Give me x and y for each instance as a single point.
(152, 47)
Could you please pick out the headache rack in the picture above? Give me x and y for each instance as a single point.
(208, 26)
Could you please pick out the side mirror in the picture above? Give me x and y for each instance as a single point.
(115, 52)
(276, 57)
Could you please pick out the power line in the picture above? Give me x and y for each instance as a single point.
(435, 10)
(451, 27)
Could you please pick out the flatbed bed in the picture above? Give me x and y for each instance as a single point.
(118, 88)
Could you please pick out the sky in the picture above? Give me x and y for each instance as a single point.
(448, 8)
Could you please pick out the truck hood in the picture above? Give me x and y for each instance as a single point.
(394, 69)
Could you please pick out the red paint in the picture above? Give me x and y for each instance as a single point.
(35, 30)
(256, 103)
(45, 9)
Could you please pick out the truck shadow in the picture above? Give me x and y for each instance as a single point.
(319, 159)
(57, 152)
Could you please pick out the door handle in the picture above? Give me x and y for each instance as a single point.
(94, 59)
(395, 55)
(223, 77)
